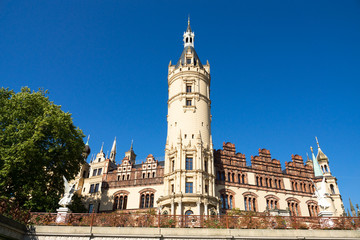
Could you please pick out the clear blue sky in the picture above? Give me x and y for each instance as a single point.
(282, 72)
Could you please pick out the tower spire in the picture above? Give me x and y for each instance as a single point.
(113, 151)
(87, 142)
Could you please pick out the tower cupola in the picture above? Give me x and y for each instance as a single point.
(188, 36)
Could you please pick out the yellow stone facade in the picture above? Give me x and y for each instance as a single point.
(195, 178)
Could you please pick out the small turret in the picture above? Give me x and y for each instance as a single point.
(323, 160)
(131, 154)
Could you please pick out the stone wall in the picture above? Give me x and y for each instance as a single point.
(109, 233)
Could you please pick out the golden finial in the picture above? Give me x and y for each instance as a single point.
(311, 148)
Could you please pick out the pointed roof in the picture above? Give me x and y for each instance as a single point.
(320, 154)
(113, 149)
(182, 59)
(188, 27)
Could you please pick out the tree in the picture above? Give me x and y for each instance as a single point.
(38, 144)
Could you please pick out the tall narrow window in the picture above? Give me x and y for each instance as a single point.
(121, 202)
(142, 202)
(91, 188)
(96, 188)
(125, 202)
(189, 163)
(94, 172)
(188, 102)
(189, 187)
(172, 165)
(147, 201)
(206, 166)
(91, 208)
(188, 88)
(152, 200)
(172, 188)
(99, 171)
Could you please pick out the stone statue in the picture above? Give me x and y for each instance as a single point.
(321, 194)
(68, 193)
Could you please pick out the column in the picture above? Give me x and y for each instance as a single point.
(179, 212)
(172, 208)
(206, 209)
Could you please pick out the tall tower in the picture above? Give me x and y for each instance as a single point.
(189, 178)
(332, 188)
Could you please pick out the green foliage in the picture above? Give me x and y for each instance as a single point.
(77, 205)
(38, 144)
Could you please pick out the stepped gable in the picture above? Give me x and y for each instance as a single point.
(296, 167)
(228, 156)
(264, 162)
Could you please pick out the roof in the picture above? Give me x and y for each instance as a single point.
(182, 60)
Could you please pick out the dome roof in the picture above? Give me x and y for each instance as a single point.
(86, 149)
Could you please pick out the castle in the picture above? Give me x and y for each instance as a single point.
(196, 179)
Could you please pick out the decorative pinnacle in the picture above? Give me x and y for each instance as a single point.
(132, 142)
(87, 142)
(102, 147)
(311, 148)
(307, 155)
(317, 142)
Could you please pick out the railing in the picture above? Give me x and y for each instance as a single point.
(134, 182)
(196, 221)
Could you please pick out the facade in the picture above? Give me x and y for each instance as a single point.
(195, 178)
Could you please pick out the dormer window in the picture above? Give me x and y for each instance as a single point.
(188, 61)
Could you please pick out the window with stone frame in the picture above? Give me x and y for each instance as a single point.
(312, 208)
(120, 200)
(294, 206)
(227, 198)
(188, 187)
(147, 198)
(250, 201)
(189, 163)
(272, 202)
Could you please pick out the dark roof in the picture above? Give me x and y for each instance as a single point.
(182, 60)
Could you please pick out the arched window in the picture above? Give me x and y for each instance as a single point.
(229, 177)
(243, 179)
(260, 181)
(250, 201)
(326, 168)
(322, 168)
(121, 202)
(272, 202)
(313, 208)
(153, 174)
(190, 40)
(152, 200)
(187, 39)
(147, 198)
(332, 189)
(189, 212)
(233, 177)
(142, 201)
(116, 202)
(293, 205)
(227, 199)
(239, 178)
(120, 199)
